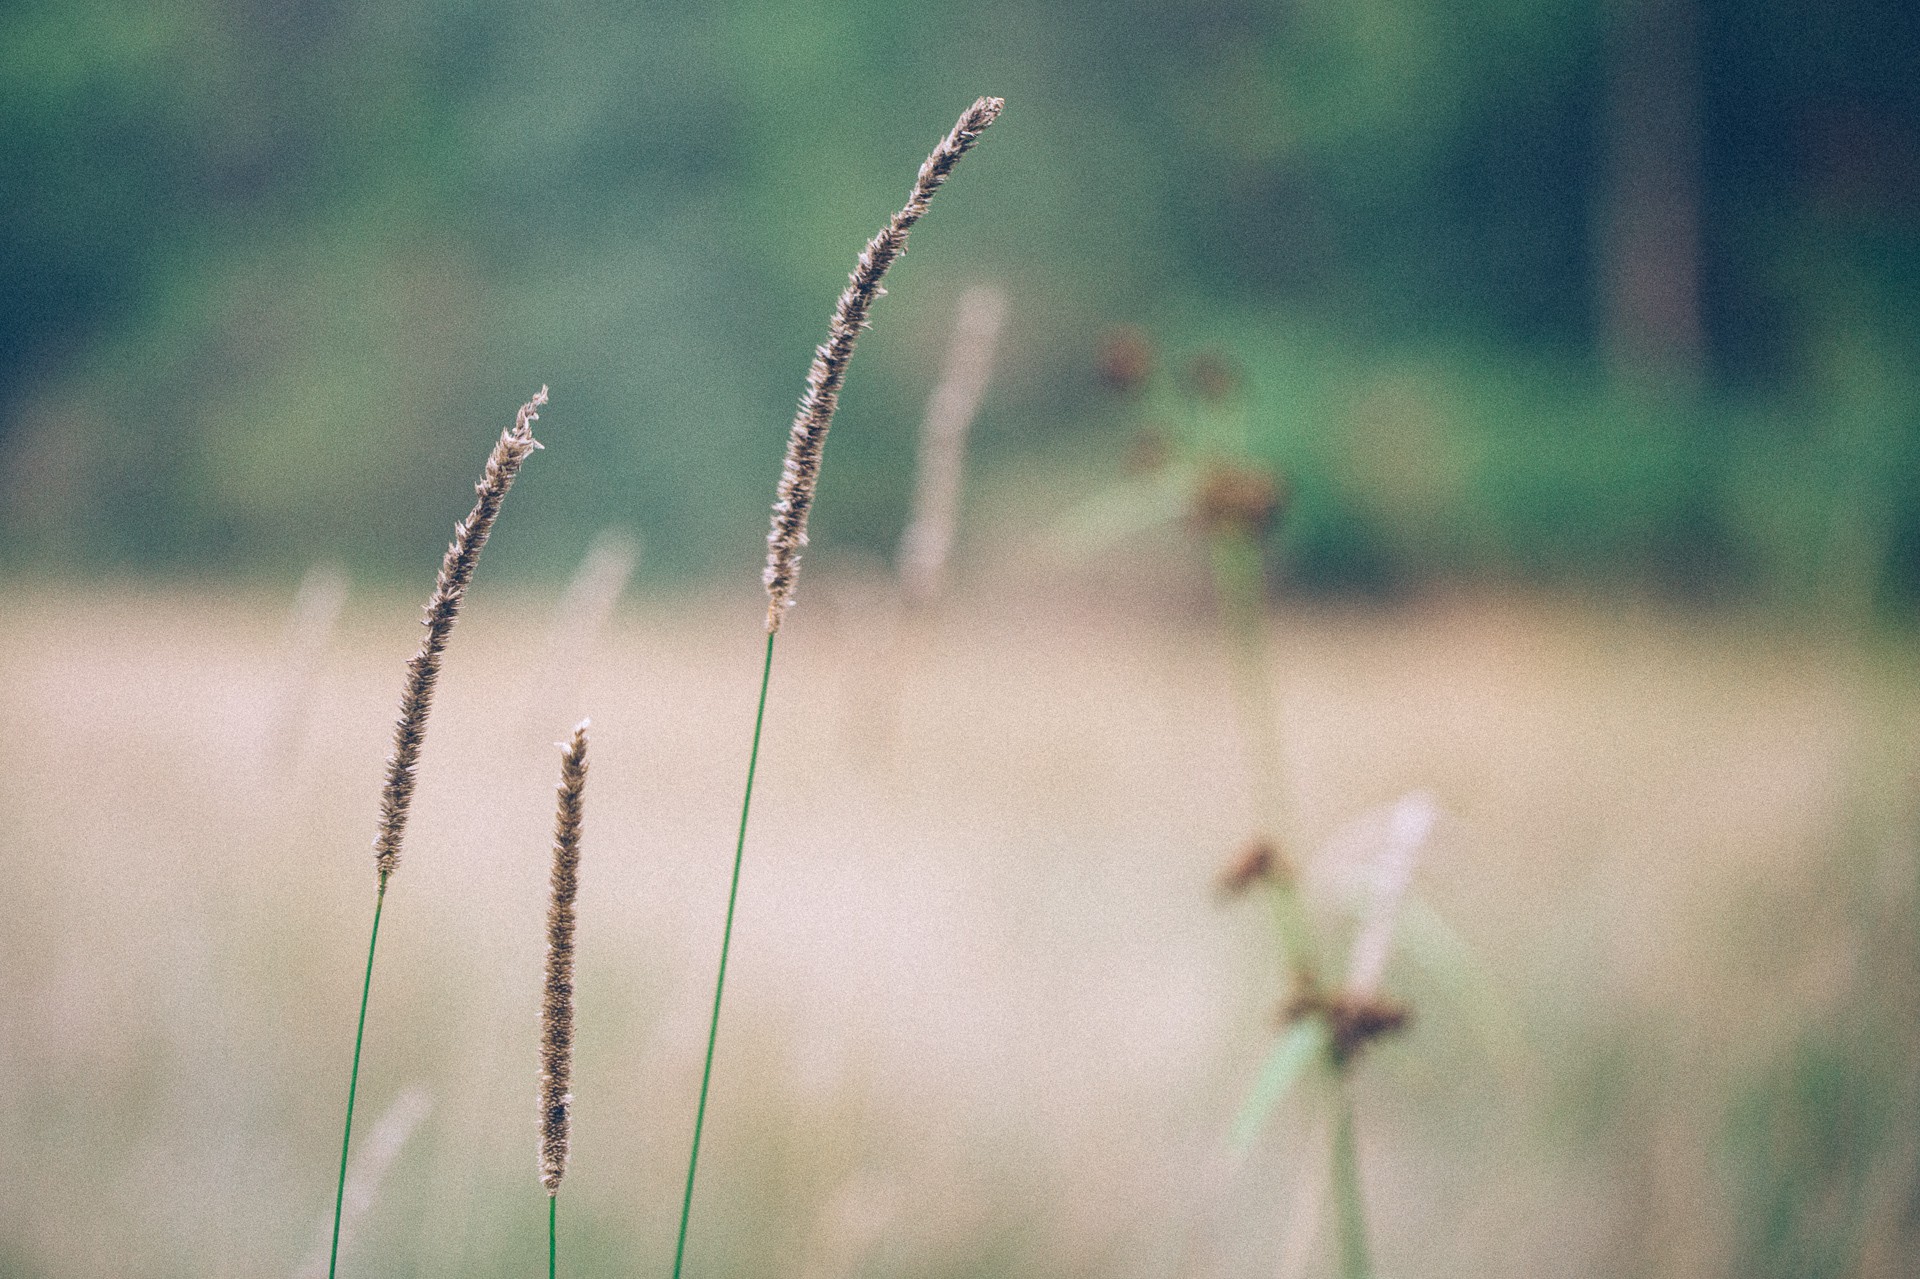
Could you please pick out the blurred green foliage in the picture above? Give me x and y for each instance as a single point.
(277, 273)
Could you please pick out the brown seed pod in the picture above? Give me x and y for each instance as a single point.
(1257, 861)
(1237, 497)
(1125, 360)
(1353, 1021)
(1212, 378)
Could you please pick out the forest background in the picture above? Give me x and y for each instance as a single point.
(1519, 289)
(1582, 340)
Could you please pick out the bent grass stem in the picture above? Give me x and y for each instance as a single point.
(726, 942)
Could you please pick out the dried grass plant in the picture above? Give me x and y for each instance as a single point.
(927, 544)
(807, 440)
(311, 621)
(371, 1164)
(515, 445)
(799, 481)
(895, 615)
(578, 625)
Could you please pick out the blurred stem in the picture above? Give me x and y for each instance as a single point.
(1290, 922)
(1350, 1214)
(353, 1080)
(1241, 588)
(726, 942)
(1242, 592)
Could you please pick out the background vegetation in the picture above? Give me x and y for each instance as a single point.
(1621, 292)
(1614, 300)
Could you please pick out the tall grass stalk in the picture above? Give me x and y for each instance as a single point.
(1234, 504)
(515, 445)
(799, 481)
(556, 997)
(726, 944)
(897, 622)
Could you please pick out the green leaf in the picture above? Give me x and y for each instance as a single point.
(1304, 1041)
(1120, 511)
(1430, 943)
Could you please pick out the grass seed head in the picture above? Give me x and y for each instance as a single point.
(800, 475)
(556, 1002)
(515, 445)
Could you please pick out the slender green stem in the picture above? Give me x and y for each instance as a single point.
(1237, 582)
(726, 942)
(353, 1082)
(1350, 1210)
(553, 1212)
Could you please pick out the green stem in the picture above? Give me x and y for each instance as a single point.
(726, 942)
(553, 1212)
(353, 1082)
(1350, 1210)
(1237, 582)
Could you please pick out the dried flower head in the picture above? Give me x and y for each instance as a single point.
(808, 438)
(1125, 360)
(1149, 451)
(1353, 1021)
(1258, 860)
(1240, 498)
(556, 1002)
(1212, 378)
(515, 445)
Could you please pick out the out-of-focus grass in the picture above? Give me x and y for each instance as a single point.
(987, 1017)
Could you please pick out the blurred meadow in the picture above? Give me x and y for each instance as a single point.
(1507, 408)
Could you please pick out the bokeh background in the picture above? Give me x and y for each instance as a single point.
(1580, 344)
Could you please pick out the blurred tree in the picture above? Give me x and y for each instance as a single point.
(1650, 208)
(274, 269)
